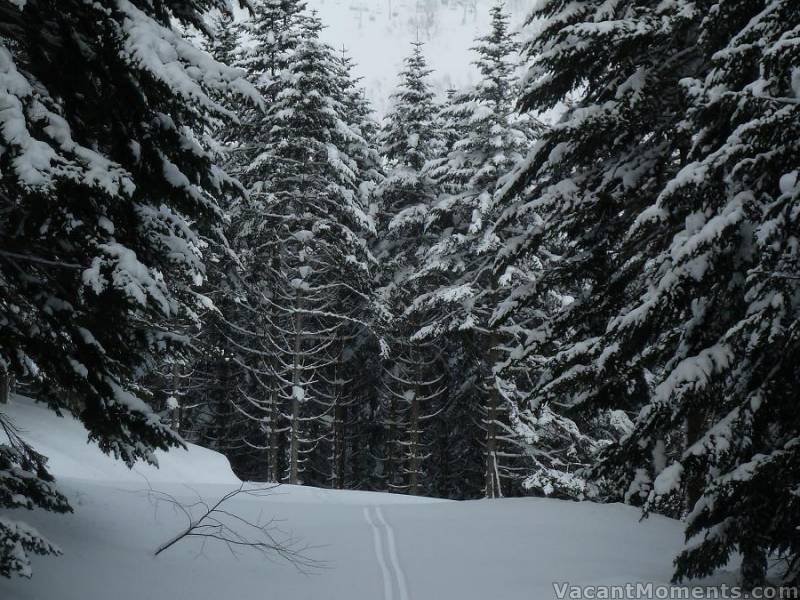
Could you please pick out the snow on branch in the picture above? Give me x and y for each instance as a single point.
(186, 69)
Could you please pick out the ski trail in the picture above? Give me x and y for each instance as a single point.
(376, 539)
(395, 561)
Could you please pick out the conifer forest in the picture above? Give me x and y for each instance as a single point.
(558, 283)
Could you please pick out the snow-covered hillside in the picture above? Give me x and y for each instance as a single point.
(370, 546)
(378, 34)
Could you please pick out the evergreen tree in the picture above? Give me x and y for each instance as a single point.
(357, 113)
(107, 190)
(724, 265)
(325, 265)
(301, 238)
(240, 393)
(459, 287)
(353, 464)
(192, 390)
(413, 376)
(583, 185)
(230, 395)
(668, 190)
(451, 118)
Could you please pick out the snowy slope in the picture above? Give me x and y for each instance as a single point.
(374, 546)
(64, 442)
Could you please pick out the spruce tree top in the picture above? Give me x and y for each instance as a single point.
(407, 138)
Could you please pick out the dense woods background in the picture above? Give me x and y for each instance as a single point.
(222, 245)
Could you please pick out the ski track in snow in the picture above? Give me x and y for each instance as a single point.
(396, 573)
(398, 570)
(376, 538)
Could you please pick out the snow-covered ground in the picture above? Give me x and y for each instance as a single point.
(370, 546)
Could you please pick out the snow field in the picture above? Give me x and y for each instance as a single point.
(367, 546)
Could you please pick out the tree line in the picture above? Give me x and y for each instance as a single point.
(348, 345)
(575, 278)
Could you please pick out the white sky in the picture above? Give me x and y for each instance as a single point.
(378, 34)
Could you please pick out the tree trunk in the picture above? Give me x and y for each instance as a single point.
(443, 441)
(274, 441)
(694, 430)
(493, 489)
(391, 439)
(338, 446)
(5, 386)
(754, 566)
(413, 424)
(294, 471)
(413, 481)
(491, 448)
(294, 450)
(177, 412)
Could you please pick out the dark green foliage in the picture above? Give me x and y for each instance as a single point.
(106, 193)
(24, 483)
(667, 198)
(293, 293)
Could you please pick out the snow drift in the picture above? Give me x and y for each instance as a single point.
(368, 546)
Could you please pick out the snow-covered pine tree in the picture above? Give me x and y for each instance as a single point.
(191, 391)
(253, 425)
(303, 236)
(24, 483)
(456, 445)
(357, 112)
(225, 41)
(450, 121)
(262, 46)
(231, 401)
(720, 302)
(671, 186)
(459, 288)
(350, 462)
(270, 39)
(326, 264)
(413, 381)
(584, 183)
(228, 397)
(107, 188)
